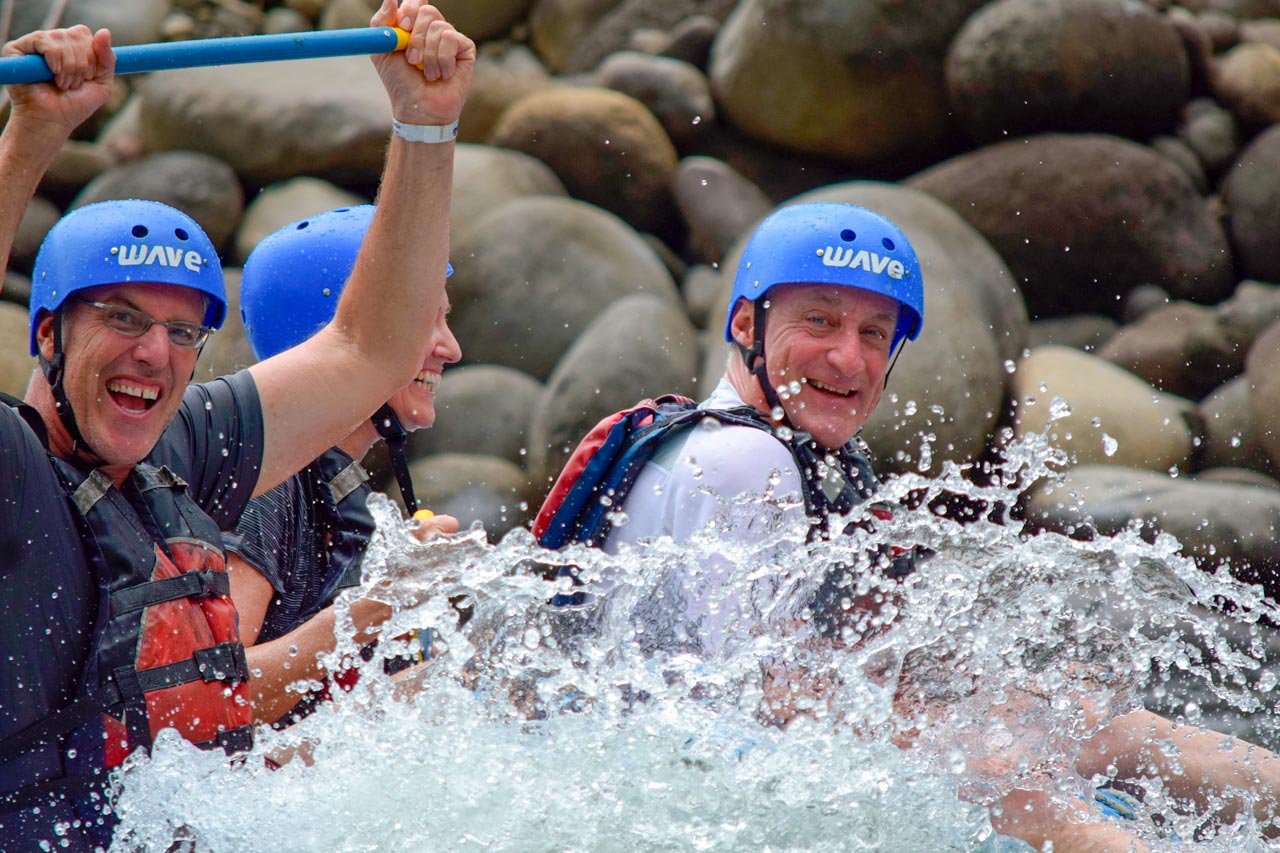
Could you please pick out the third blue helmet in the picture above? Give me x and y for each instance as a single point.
(121, 241)
(293, 278)
(830, 243)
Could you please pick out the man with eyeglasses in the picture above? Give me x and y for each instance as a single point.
(116, 474)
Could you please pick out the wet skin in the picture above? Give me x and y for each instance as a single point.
(827, 349)
(105, 369)
(415, 404)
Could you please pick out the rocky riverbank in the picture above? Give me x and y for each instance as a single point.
(1093, 187)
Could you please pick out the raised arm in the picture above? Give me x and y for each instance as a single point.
(44, 114)
(317, 393)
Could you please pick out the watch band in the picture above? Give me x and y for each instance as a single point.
(425, 132)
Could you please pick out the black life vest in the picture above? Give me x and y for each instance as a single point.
(166, 651)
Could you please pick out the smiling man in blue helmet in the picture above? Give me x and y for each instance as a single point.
(296, 547)
(116, 475)
(824, 297)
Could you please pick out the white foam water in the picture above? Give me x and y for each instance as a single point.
(539, 728)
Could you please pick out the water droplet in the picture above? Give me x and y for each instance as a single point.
(1109, 445)
(1059, 409)
(697, 120)
(785, 434)
(1010, 365)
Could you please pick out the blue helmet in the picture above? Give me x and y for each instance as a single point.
(293, 278)
(829, 243)
(129, 240)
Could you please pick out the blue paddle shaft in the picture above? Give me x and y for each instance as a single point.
(135, 59)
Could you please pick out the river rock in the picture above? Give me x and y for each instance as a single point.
(482, 20)
(1086, 332)
(676, 92)
(485, 178)
(481, 408)
(1026, 66)
(835, 78)
(701, 290)
(1216, 523)
(281, 204)
(1253, 307)
(1247, 81)
(17, 288)
(1110, 416)
(1251, 191)
(690, 40)
(1125, 216)
(504, 74)
(1181, 348)
(203, 187)
(641, 346)
(1180, 154)
(1231, 437)
(576, 35)
(16, 363)
(606, 147)
(130, 21)
(718, 205)
(1210, 131)
(328, 118)
(950, 382)
(522, 300)
(39, 216)
(473, 488)
(1262, 368)
(76, 164)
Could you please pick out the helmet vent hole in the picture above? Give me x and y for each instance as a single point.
(848, 235)
(888, 244)
(140, 231)
(181, 234)
(303, 224)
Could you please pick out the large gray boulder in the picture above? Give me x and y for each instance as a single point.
(281, 204)
(606, 147)
(641, 346)
(16, 363)
(856, 81)
(485, 178)
(1027, 66)
(473, 488)
(328, 118)
(1106, 414)
(533, 273)
(1083, 219)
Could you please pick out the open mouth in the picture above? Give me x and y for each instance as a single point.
(428, 379)
(828, 389)
(134, 399)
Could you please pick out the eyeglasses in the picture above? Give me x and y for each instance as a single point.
(134, 324)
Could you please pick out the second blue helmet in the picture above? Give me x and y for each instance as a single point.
(293, 278)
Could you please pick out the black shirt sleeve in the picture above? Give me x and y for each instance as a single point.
(266, 535)
(216, 445)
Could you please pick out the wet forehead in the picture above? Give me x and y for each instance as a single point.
(849, 301)
(161, 301)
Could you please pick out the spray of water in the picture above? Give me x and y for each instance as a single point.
(892, 720)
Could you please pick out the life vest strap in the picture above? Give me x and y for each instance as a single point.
(93, 489)
(347, 481)
(223, 662)
(198, 584)
(239, 739)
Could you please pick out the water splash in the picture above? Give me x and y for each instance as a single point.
(611, 726)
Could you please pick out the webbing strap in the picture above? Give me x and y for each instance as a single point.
(200, 584)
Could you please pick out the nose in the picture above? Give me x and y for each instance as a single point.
(846, 353)
(153, 346)
(446, 346)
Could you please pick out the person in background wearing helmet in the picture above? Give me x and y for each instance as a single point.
(296, 547)
(824, 297)
(116, 474)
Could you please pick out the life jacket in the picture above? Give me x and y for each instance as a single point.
(603, 468)
(166, 651)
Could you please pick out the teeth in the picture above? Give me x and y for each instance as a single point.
(132, 390)
(428, 378)
(822, 387)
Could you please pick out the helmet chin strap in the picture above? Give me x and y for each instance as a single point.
(396, 437)
(54, 373)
